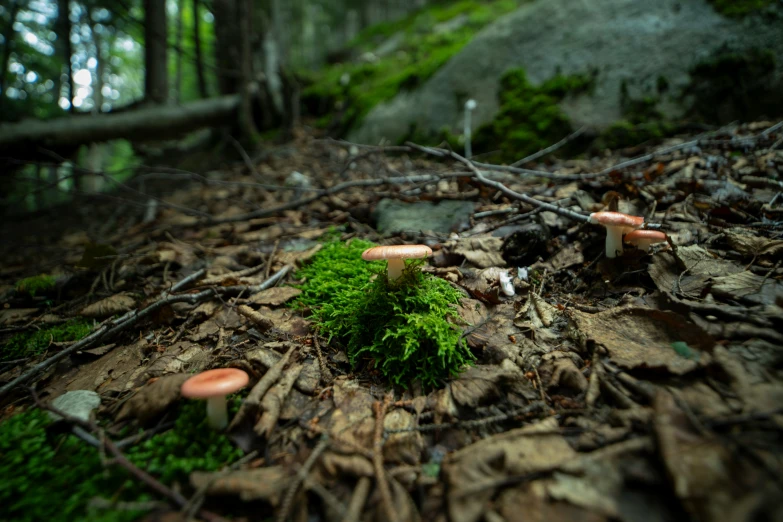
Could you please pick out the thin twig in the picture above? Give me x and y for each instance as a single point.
(299, 478)
(550, 149)
(379, 407)
(112, 328)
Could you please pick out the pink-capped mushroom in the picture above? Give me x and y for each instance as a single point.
(643, 239)
(214, 385)
(396, 256)
(617, 224)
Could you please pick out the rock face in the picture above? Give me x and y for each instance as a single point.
(623, 41)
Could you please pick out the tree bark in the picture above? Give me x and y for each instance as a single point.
(156, 84)
(246, 124)
(148, 123)
(202, 83)
(226, 46)
(178, 73)
(66, 48)
(8, 35)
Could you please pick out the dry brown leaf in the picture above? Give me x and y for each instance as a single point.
(750, 245)
(267, 483)
(15, 315)
(275, 296)
(482, 252)
(705, 472)
(700, 267)
(485, 285)
(352, 422)
(406, 447)
(116, 304)
(643, 337)
(474, 473)
(272, 403)
(153, 399)
(748, 287)
(353, 465)
(479, 384)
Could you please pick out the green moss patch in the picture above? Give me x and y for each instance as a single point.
(735, 85)
(32, 285)
(529, 118)
(48, 475)
(29, 344)
(406, 330)
(343, 94)
(739, 8)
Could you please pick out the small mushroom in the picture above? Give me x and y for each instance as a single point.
(396, 256)
(642, 239)
(617, 224)
(214, 385)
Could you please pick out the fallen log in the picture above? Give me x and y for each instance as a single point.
(147, 123)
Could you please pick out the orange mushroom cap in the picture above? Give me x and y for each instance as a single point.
(653, 236)
(214, 383)
(616, 219)
(396, 252)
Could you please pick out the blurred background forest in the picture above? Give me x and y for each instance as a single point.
(94, 93)
(77, 58)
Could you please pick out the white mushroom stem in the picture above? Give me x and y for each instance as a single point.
(217, 412)
(614, 241)
(469, 106)
(394, 269)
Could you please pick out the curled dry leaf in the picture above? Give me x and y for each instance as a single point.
(482, 252)
(116, 304)
(474, 473)
(275, 296)
(405, 447)
(153, 399)
(645, 338)
(268, 483)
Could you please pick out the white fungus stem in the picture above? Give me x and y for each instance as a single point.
(394, 269)
(614, 241)
(469, 106)
(217, 412)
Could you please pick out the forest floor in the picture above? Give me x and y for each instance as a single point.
(644, 387)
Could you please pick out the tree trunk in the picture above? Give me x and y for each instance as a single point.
(65, 47)
(226, 46)
(149, 123)
(156, 84)
(246, 125)
(202, 83)
(8, 36)
(178, 73)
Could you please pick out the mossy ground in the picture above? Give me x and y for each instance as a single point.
(32, 285)
(29, 344)
(50, 475)
(423, 51)
(406, 331)
(529, 117)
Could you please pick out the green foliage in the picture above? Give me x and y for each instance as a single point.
(419, 56)
(735, 85)
(28, 344)
(739, 8)
(48, 476)
(642, 121)
(52, 476)
(529, 117)
(191, 445)
(407, 328)
(31, 285)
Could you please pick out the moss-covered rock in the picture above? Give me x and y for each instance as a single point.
(529, 117)
(342, 94)
(35, 284)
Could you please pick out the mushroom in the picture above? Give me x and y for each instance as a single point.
(616, 224)
(396, 256)
(214, 385)
(642, 239)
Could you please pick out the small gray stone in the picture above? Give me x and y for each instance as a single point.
(77, 403)
(444, 217)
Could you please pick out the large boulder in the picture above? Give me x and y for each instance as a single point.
(639, 45)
